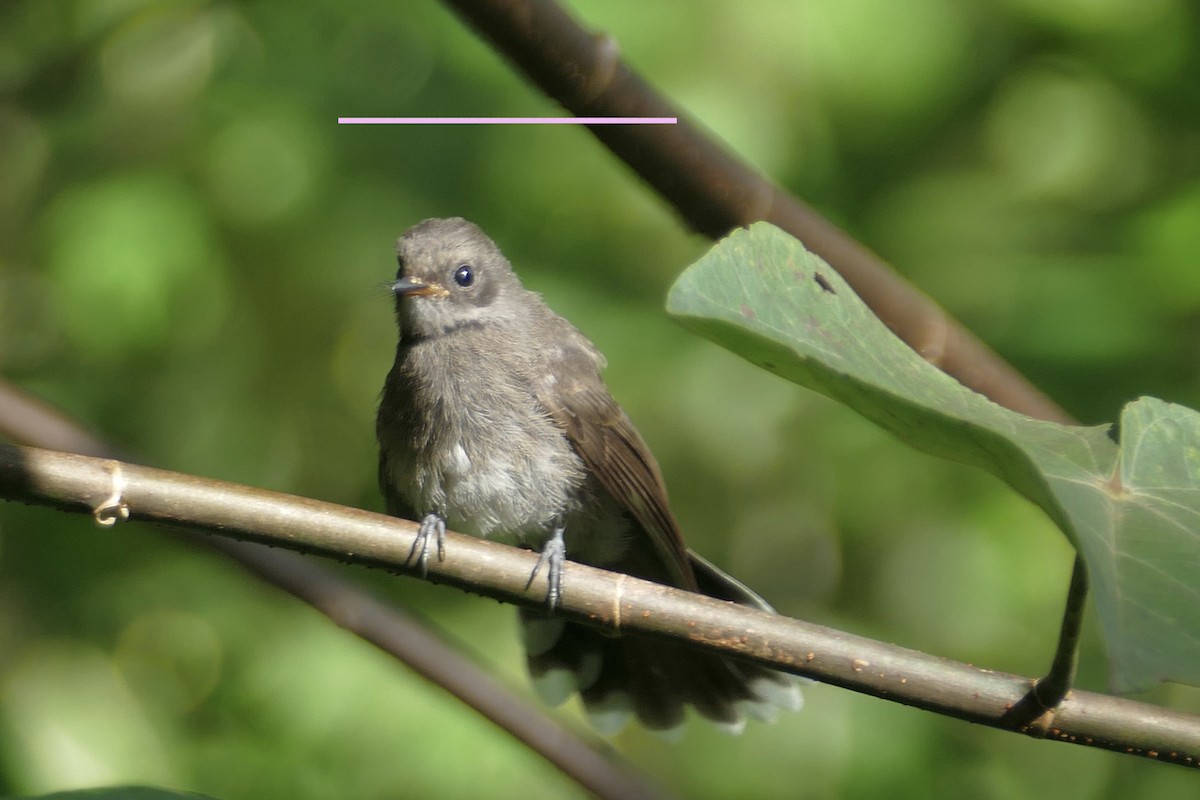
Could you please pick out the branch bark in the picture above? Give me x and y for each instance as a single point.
(615, 602)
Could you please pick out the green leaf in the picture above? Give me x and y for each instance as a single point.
(1132, 511)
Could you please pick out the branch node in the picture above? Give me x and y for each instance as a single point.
(1043, 726)
(933, 341)
(618, 594)
(607, 58)
(113, 509)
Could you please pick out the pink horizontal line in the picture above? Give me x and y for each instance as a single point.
(507, 120)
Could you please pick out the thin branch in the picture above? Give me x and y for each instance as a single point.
(591, 764)
(617, 603)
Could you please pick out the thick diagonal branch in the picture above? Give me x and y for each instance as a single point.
(715, 191)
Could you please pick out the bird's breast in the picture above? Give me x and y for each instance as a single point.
(481, 452)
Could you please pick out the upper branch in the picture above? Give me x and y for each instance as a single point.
(715, 191)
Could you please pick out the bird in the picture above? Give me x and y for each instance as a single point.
(495, 421)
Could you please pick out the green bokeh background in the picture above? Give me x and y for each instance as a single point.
(192, 256)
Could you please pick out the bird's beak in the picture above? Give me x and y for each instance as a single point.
(407, 287)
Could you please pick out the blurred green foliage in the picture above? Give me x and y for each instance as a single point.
(192, 257)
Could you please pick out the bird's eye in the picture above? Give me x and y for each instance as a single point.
(464, 276)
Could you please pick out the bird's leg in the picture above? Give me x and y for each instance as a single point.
(433, 524)
(554, 553)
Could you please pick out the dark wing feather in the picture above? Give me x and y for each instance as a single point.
(613, 451)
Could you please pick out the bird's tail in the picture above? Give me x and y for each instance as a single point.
(652, 679)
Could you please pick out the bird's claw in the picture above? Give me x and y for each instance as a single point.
(554, 554)
(432, 525)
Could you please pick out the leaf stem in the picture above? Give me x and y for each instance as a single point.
(1052, 688)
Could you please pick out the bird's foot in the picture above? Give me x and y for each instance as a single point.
(554, 554)
(433, 525)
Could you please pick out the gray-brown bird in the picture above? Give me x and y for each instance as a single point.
(495, 422)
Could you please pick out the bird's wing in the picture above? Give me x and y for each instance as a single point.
(613, 451)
